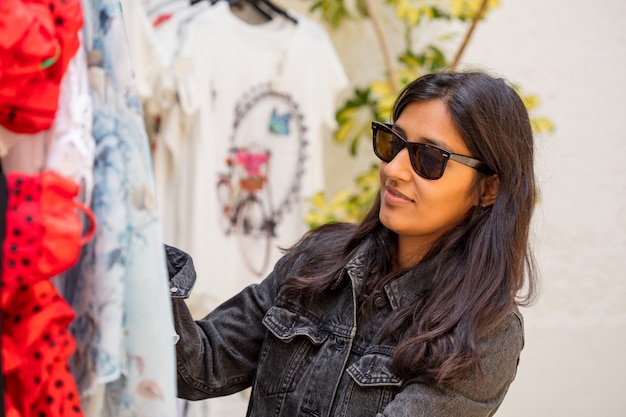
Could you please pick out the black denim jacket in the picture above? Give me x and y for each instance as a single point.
(321, 360)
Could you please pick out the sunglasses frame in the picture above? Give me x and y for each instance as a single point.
(447, 155)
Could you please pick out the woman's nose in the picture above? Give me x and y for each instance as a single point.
(400, 166)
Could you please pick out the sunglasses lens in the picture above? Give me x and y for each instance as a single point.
(428, 161)
(386, 145)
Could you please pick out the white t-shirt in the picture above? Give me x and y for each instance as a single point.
(268, 90)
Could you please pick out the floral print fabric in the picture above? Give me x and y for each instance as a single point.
(124, 362)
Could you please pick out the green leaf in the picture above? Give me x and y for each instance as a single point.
(542, 125)
(354, 146)
(332, 11)
(344, 130)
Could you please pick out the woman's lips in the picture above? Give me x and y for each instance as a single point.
(393, 196)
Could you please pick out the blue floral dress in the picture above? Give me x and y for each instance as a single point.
(124, 363)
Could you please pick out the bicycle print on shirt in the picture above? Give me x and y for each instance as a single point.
(264, 170)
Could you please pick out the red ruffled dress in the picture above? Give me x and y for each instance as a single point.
(43, 238)
(38, 38)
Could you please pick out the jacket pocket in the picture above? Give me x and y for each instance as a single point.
(373, 384)
(374, 369)
(289, 350)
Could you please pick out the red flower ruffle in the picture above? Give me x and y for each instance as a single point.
(43, 238)
(38, 38)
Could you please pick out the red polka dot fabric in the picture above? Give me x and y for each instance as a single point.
(38, 38)
(35, 341)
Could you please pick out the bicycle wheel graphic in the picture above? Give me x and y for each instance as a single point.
(253, 234)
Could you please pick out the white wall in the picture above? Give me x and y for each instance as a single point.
(572, 54)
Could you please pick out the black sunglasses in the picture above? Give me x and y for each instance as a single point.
(428, 161)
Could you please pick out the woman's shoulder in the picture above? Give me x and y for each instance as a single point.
(499, 351)
(509, 331)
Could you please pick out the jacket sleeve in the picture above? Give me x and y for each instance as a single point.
(218, 354)
(470, 397)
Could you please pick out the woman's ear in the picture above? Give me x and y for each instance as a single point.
(489, 190)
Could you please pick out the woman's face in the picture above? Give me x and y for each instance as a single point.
(417, 209)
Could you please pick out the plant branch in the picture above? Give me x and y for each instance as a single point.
(382, 41)
(468, 35)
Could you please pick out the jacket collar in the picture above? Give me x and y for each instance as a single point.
(401, 291)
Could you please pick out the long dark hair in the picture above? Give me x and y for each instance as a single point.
(477, 270)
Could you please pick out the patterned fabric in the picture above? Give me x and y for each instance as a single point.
(71, 147)
(43, 238)
(124, 359)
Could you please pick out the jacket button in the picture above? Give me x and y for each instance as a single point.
(379, 301)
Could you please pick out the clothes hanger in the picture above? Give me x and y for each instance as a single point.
(284, 13)
(255, 5)
(231, 3)
(260, 6)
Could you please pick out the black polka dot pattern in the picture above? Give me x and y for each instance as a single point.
(37, 378)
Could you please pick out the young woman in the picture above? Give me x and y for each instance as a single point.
(412, 312)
